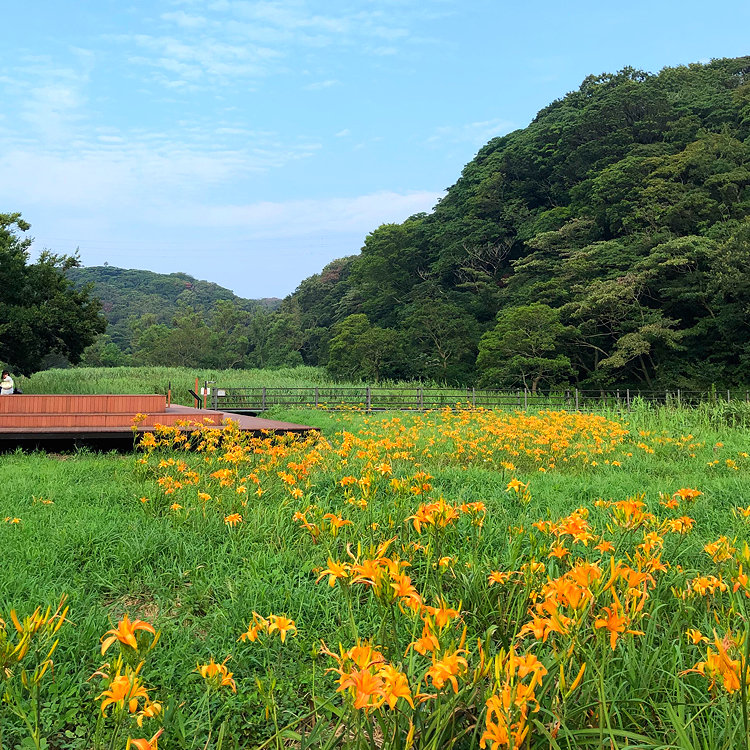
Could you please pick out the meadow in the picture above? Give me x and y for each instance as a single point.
(449, 579)
(147, 379)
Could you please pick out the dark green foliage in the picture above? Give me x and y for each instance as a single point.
(42, 314)
(174, 319)
(524, 348)
(624, 206)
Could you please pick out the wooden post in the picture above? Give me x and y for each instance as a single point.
(369, 398)
(618, 398)
(679, 398)
(627, 396)
(473, 398)
(576, 399)
(196, 393)
(205, 393)
(316, 397)
(525, 399)
(421, 397)
(263, 399)
(518, 398)
(729, 396)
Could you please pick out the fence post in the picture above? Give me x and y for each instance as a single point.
(205, 393)
(729, 396)
(316, 397)
(576, 399)
(525, 400)
(421, 398)
(679, 398)
(518, 398)
(618, 398)
(369, 398)
(627, 396)
(473, 398)
(263, 399)
(215, 399)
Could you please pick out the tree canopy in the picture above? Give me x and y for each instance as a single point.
(41, 311)
(623, 208)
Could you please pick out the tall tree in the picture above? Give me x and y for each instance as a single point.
(525, 347)
(41, 312)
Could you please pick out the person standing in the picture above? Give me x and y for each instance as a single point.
(6, 384)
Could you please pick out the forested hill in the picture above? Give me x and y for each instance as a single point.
(151, 315)
(607, 242)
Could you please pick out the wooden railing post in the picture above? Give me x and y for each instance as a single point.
(316, 397)
(576, 399)
(263, 399)
(369, 398)
(525, 399)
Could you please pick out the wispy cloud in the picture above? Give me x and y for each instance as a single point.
(220, 41)
(319, 85)
(475, 133)
(297, 218)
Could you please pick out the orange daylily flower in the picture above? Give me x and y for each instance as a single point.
(125, 633)
(145, 744)
(217, 675)
(281, 624)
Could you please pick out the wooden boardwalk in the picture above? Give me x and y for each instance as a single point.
(27, 417)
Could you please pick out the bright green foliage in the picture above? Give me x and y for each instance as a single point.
(174, 319)
(41, 312)
(523, 348)
(624, 205)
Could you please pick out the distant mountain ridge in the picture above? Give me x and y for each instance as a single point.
(128, 294)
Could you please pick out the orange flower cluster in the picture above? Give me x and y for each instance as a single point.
(517, 677)
(368, 679)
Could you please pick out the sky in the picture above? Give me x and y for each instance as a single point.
(251, 142)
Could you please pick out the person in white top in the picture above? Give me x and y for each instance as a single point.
(6, 384)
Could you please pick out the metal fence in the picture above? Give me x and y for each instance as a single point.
(372, 398)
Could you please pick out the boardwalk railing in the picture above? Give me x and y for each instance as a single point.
(258, 399)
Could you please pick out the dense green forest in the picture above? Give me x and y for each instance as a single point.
(172, 319)
(606, 243)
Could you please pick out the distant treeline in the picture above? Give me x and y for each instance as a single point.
(607, 242)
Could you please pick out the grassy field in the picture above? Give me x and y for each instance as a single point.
(553, 574)
(157, 379)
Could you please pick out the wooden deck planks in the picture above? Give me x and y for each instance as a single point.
(76, 416)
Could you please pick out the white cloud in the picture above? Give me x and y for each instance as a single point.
(343, 133)
(475, 133)
(225, 40)
(113, 171)
(297, 218)
(319, 85)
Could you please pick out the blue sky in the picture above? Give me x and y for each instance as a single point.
(249, 143)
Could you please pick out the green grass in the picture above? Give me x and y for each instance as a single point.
(199, 582)
(157, 379)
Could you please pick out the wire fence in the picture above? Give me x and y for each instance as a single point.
(372, 398)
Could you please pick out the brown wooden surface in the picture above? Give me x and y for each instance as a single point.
(81, 404)
(80, 416)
